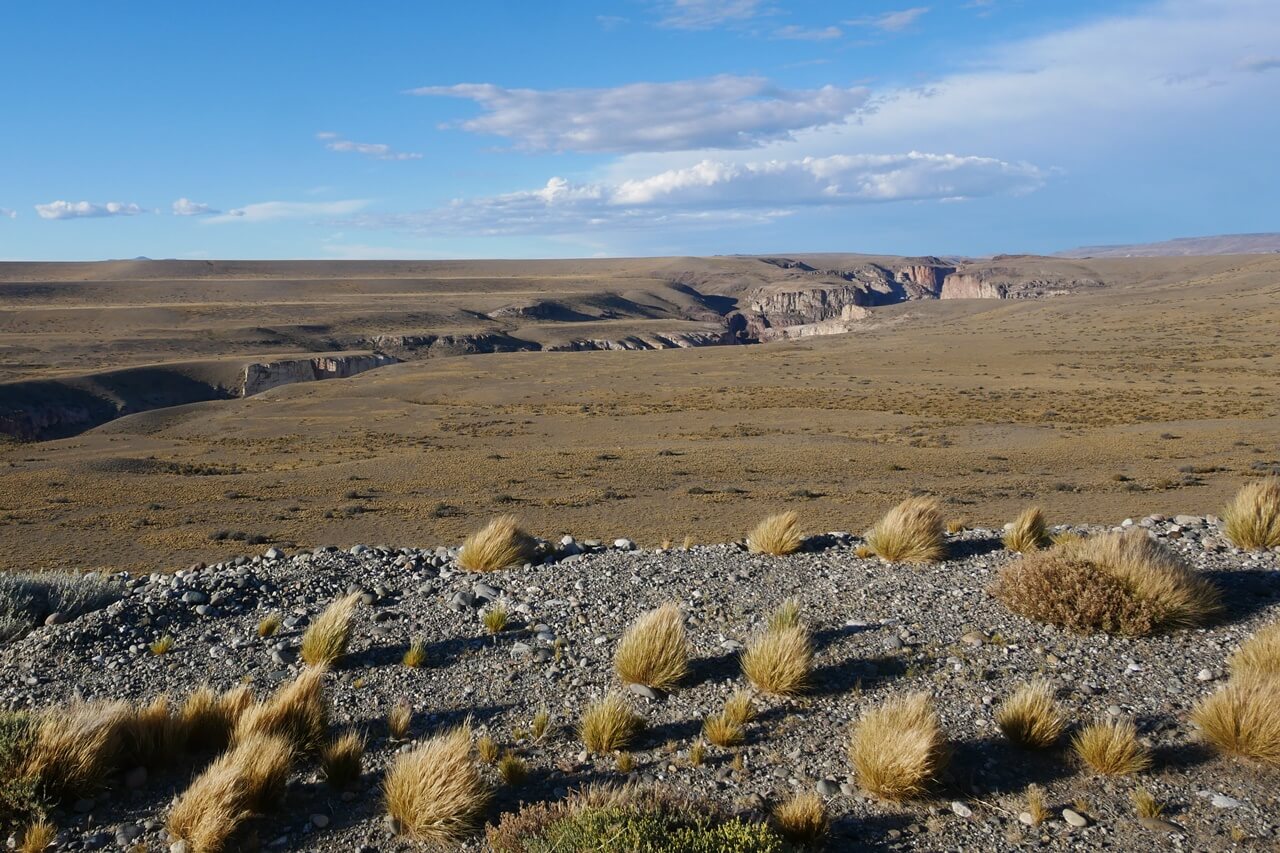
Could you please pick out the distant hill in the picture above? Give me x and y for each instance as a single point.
(1223, 244)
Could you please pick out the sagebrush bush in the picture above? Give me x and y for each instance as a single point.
(778, 661)
(654, 650)
(778, 535)
(1028, 533)
(1120, 583)
(326, 639)
(1111, 747)
(246, 779)
(897, 748)
(1242, 718)
(1030, 717)
(608, 724)
(1259, 655)
(297, 711)
(500, 544)
(19, 794)
(628, 819)
(434, 792)
(911, 532)
(26, 600)
(1252, 519)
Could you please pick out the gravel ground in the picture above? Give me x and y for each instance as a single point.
(880, 629)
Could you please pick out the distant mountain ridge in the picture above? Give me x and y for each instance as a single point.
(1222, 244)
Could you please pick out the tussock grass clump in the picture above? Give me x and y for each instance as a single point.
(434, 792)
(495, 619)
(654, 651)
(802, 818)
(1146, 805)
(1111, 747)
(244, 780)
(208, 719)
(341, 759)
(1259, 655)
(779, 661)
(608, 724)
(500, 544)
(512, 768)
(613, 820)
(1120, 583)
(326, 638)
(269, 625)
(487, 749)
(1030, 717)
(778, 535)
(297, 711)
(539, 725)
(162, 645)
(1243, 718)
(399, 718)
(38, 837)
(1252, 519)
(1037, 808)
(153, 735)
(1029, 532)
(740, 707)
(898, 747)
(723, 730)
(415, 657)
(911, 532)
(76, 746)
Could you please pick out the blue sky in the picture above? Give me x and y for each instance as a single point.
(327, 129)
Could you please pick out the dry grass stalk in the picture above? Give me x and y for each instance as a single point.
(625, 762)
(76, 746)
(1120, 583)
(778, 535)
(38, 837)
(487, 749)
(779, 662)
(153, 735)
(722, 730)
(399, 718)
(1111, 748)
(1030, 717)
(802, 818)
(1252, 519)
(162, 645)
(1146, 805)
(208, 718)
(957, 525)
(898, 747)
(608, 724)
(1243, 718)
(1029, 532)
(269, 625)
(697, 754)
(740, 707)
(911, 532)
(540, 723)
(298, 712)
(512, 769)
(326, 639)
(500, 544)
(654, 651)
(434, 792)
(415, 657)
(341, 759)
(241, 782)
(1259, 655)
(1037, 808)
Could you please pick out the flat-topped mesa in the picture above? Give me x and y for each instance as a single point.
(263, 376)
(997, 283)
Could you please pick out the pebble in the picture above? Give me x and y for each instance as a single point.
(643, 690)
(1155, 824)
(319, 821)
(961, 809)
(1222, 801)
(827, 787)
(1074, 818)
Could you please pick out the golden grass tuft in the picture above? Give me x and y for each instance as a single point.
(778, 535)
(269, 625)
(1037, 808)
(723, 730)
(208, 718)
(1259, 655)
(897, 748)
(608, 724)
(654, 651)
(487, 749)
(1028, 533)
(500, 544)
(957, 525)
(399, 719)
(1111, 747)
(540, 724)
(911, 532)
(241, 782)
(1243, 718)
(297, 711)
(434, 792)
(779, 661)
(76, 746)
(415, 657)
(326, 638)
(740, 707)
(152, 735)
(625, 762)
(1252, 519)
(495, 619)
(512, 769)
(1146, 805)
(38, 837)
(162, 645)
(697, 754)
(1119, 583)
(1030, 717)
(802, 819)
(341, 758)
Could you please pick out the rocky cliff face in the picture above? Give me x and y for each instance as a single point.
(998, 283)
(674, 340)
(262, 376)
(408, 347)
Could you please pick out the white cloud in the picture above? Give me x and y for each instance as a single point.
(798, 33)
(1258, 64)
(611, 22)
(718, 192)
(85, 209)
(891, 21)
(377, 150)
(267, 211)
(707, 14)
(717, 112)
(8, 213)
(186, 207)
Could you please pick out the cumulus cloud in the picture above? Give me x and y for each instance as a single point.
(267, 211)
(718, 192)
(85, 209)
(797, 33)
(718, 112)
(186, 207)
(891, 21)
(1258, 64)
(707, 14)
(8, 213)
(377, 150)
